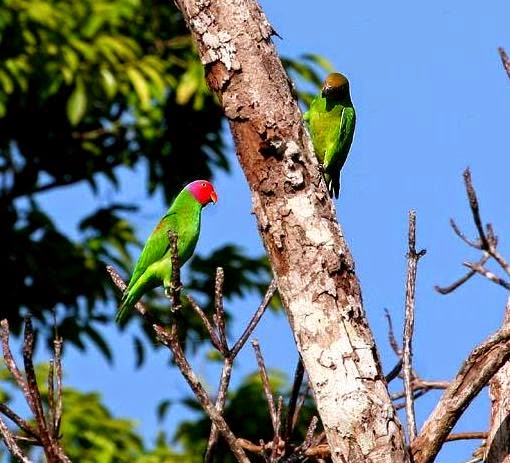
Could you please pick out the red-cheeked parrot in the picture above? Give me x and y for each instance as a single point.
(331, 120)
(154, 266)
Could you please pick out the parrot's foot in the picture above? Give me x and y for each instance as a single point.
(170, 292)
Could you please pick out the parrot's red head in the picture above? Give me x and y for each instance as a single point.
(202, 191)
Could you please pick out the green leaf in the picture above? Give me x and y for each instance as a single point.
(109, 82)
(140, 85)
(77, 103)
(162, 409)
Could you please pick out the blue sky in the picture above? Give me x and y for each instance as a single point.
(431, 98)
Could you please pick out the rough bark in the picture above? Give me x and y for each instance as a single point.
(498, 442)
(297, 222)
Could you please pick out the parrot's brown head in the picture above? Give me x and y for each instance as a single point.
(202, 191)
(335, 87)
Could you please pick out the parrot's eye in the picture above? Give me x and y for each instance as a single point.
(203, 184)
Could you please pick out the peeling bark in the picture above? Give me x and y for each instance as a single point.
(297, 222)
(498, 442)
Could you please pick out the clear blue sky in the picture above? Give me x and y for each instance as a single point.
(431, 98)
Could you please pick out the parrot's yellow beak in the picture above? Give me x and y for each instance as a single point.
(214, 197)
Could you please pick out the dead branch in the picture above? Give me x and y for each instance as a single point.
(230, 354)
(466, 436)
(170, 339)
(291, 409)
(487, 242)
(497, 446)
(46, 429)
(265, 383)
(453, 286)
(477, 268)
(407, 356)
(11, 443)
(505, 60)
(482, 363)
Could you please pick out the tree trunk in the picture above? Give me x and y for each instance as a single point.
(297, 222)
(498, 441)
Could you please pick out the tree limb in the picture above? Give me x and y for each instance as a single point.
(482, 363)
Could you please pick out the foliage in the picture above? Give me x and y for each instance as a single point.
(85, 89)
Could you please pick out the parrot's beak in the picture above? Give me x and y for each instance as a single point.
(214, 197)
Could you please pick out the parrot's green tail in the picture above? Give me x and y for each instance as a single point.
(126, 306)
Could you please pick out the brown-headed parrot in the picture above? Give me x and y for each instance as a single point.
(154, 266)
(331, 119)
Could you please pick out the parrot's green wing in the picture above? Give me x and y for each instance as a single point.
(155, 248)
(336, 154)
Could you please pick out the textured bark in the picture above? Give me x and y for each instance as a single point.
(296, 219)
(498, 442)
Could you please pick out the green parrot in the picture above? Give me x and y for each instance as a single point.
(331, 119)
(154, 266)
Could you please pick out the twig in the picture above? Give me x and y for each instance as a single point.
(475, 209)
(505, 60)
(394, 372)
(11, 443)
(175, 289)
(229, 358)
(219, 318)
(170, 339)
(255, 319)
(34, 401)
(488, 243)
(265, 383)
(475, 267)
(482, 363)
(420, 385)
(20, 422)
(277, 448)
(212, 334)
(296, 386)
(221, 398)
(407, 356)
(466, 435)
(391, 334)
(452, 287)
(57, 414)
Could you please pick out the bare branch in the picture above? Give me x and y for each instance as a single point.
(291, 409)
(458, 232)
(18, 420)
(255, 319)
(475, 267)
(219, 318)
(475, 209)
(265, 383)
(391, 334)
(175, 289)
(11, 444)
(394, 372)
(226, 373)
(466, 436)
(482, 363)
(170, 339)
(277, 447)
(407, 356)
(505, 60)
(212, 334)
(452, 287)
(57, 413)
